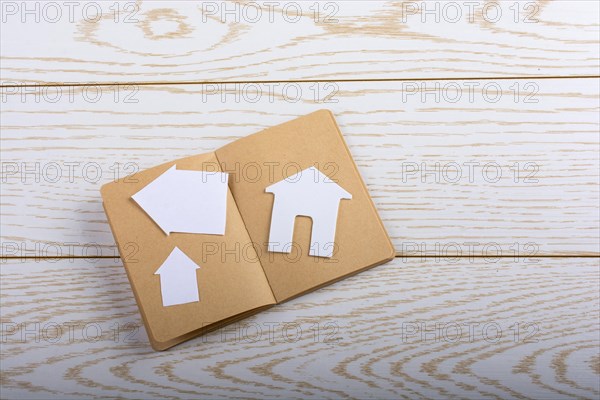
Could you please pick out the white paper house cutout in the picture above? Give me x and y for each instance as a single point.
(186, 201)
(178, 283)
(308, 193)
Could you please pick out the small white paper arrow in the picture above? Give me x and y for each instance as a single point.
(186, 201)
(178, 283)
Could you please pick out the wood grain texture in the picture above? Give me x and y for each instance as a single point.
(414, 328)
(517, 175)
(370, 344)
(180, 41)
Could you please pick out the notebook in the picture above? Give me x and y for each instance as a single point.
(210, 239)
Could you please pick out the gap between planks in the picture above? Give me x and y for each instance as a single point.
(150, 83)
(398, 255)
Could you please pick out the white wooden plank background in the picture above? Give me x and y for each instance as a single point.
(369, 343)
(154, 41)
(396, 136)
(371, 64)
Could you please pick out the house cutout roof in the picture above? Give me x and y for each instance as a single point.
(177, 264)
(307, 181)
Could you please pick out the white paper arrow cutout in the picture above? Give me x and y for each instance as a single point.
(186, 201)
(178, 283)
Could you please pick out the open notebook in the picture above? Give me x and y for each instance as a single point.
(291, 214)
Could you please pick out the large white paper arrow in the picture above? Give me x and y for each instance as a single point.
(186, 201)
